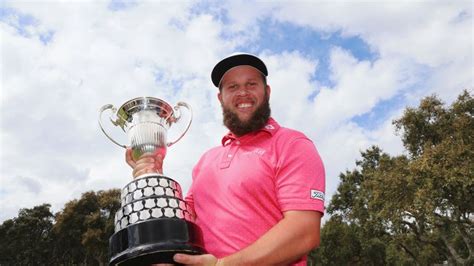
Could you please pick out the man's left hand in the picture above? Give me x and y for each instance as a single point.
(197, 260)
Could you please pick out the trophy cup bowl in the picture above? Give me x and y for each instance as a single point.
(153, 222)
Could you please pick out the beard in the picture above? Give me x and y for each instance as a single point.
(257, 121)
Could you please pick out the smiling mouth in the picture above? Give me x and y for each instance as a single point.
(244, 105)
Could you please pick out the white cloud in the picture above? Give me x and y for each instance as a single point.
(359, 86)
(291, 87)
(51, 93)
(437, 35)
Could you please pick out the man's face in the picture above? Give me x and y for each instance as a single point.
(244, 99)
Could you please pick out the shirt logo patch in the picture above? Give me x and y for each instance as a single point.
(257, 151)
(316, 194)
(269, 127)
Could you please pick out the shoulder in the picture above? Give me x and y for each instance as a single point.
(212, 152)
(293, 145)
(288, 136)
(207, 157)
(288, 132)
(279, 131)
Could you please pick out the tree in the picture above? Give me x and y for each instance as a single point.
(441, 167)
(78, 235)
(83, 228)
(26, 240)
(340, 244)
(416, 208)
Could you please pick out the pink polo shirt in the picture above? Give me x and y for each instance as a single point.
(241, 189)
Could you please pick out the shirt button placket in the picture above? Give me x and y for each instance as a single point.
(230, 154)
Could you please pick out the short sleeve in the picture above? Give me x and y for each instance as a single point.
(300, 177)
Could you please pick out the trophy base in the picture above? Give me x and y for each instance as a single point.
(155, 241)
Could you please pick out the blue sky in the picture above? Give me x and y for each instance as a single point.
(280, 37)
(340, 73)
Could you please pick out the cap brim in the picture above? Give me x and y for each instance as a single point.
(236, 60)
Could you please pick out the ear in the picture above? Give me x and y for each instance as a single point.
(219, 96)
(268, 89)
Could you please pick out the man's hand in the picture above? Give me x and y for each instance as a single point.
(196, 260)
(147, 163)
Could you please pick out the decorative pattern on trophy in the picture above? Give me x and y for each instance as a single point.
(154, 222)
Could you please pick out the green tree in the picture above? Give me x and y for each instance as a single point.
(26, 239)
(83, 228)
(415, 208)
(441, 168)
(340, 244)
(78, 235)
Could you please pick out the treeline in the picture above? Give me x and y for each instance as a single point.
(411, 209)
(77, 235)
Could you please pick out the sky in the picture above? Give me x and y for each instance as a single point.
(340, 72)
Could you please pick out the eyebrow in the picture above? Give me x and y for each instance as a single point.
(233, 81)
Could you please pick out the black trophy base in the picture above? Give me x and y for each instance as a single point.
(154, 241)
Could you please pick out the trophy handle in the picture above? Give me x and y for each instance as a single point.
(114, 110)
(176, 108)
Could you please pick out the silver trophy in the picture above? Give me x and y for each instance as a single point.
(154, 222)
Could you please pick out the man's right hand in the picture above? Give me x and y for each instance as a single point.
(147, 163)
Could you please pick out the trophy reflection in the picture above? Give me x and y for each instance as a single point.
(153, 222)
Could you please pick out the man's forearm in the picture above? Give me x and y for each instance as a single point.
(290, 239)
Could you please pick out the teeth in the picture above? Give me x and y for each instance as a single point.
(244, 105)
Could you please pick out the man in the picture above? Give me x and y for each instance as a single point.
(259, 197)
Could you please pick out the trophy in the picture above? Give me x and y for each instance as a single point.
(153, 222)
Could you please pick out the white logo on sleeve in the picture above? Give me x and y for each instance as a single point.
(316, 194)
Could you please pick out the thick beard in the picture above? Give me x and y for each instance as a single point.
(257, 121)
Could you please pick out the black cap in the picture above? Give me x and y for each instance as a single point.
(236, 60)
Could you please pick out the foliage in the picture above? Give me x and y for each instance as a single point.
(340, 252)
(26, 239)
(409, 209)
(83, 228)
(78, 235)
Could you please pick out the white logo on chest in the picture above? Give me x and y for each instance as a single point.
(256, 151)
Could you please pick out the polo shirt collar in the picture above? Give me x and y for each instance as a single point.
(271, 127)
